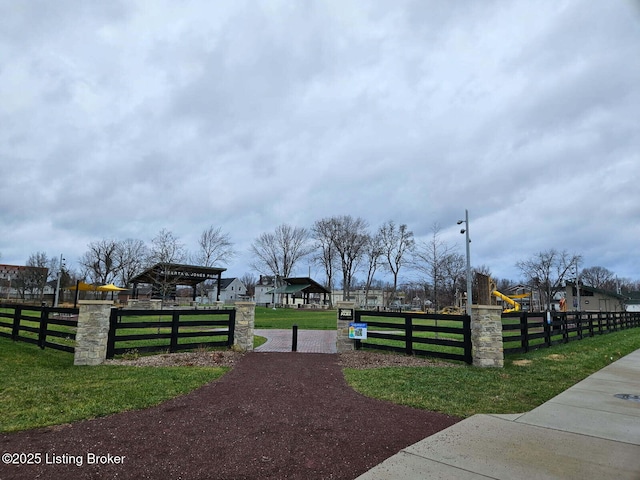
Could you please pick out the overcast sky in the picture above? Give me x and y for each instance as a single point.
(119, 119)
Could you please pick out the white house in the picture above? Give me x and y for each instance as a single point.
(231, 290)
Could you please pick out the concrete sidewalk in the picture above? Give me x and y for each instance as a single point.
(583, 433)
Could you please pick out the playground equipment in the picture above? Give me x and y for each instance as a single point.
(511, 300)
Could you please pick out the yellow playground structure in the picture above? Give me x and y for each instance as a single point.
(510, 300)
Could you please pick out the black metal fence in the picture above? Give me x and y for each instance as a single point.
(431, 335)
(525, 331)
(43, 326)
(143, 331)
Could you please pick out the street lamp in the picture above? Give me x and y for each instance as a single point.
(466, 230)
(57, 294)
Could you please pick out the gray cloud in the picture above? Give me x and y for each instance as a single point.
(120, 119)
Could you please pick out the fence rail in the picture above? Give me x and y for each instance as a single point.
(43, 326)
(525, 331)
(431, 335)
(170, 331)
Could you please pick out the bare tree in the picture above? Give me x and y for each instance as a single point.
(349, 239)
(373, 251)
(214, 247)
(100, 261)
(440, 262)
(250, 281)
(166, 250)
(131, 257)
(396, 242)
(547, 271)
(326, 253)
(31, 280)
(598, 277)
(278, 252)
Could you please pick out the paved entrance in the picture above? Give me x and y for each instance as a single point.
(309, 341)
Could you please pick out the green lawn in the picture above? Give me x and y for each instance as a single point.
(43, 387)
(527, 380)
(287, 317)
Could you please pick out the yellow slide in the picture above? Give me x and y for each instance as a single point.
(515, 306)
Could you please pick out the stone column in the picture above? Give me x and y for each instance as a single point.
(155, 304)
(93, 332)
(486, 336)
(345, 316)
(245, 324)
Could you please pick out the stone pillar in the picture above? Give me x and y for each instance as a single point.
(93, 332)
(155, 304)
(486, 336)
(345, 316)
(245, 323)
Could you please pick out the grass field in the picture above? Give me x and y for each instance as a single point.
(526, 381)
(287, 317)
(43, 387)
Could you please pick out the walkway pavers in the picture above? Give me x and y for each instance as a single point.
(309, 341)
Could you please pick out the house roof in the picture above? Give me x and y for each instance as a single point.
(301, 284)
(597, 290)
(178, 274)
(225, 282)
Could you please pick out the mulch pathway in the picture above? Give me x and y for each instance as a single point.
(274, 416)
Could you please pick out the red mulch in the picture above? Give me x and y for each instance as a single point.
(274, 416)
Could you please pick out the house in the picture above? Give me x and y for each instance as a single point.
(374, 298)
(632, 302)
(590, 299)
(231, 290)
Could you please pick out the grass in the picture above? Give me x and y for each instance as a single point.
(527, 381)
(43, 387)
(286, 317)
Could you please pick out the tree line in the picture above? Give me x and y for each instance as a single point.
(342, 246)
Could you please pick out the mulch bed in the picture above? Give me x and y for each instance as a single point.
(274, 416)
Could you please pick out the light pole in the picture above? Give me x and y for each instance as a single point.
(466, 231)
(578, 287)
(57, 294)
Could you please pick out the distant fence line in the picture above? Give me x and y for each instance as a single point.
(525, 331)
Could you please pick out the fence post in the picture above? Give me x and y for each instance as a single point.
(524, 331)
(345, 315)
(486, 336)
(93, 332)
(245, 324)
(42, 333)
(15, 331)
(111, 337)
(408, 335)
(175, 325)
